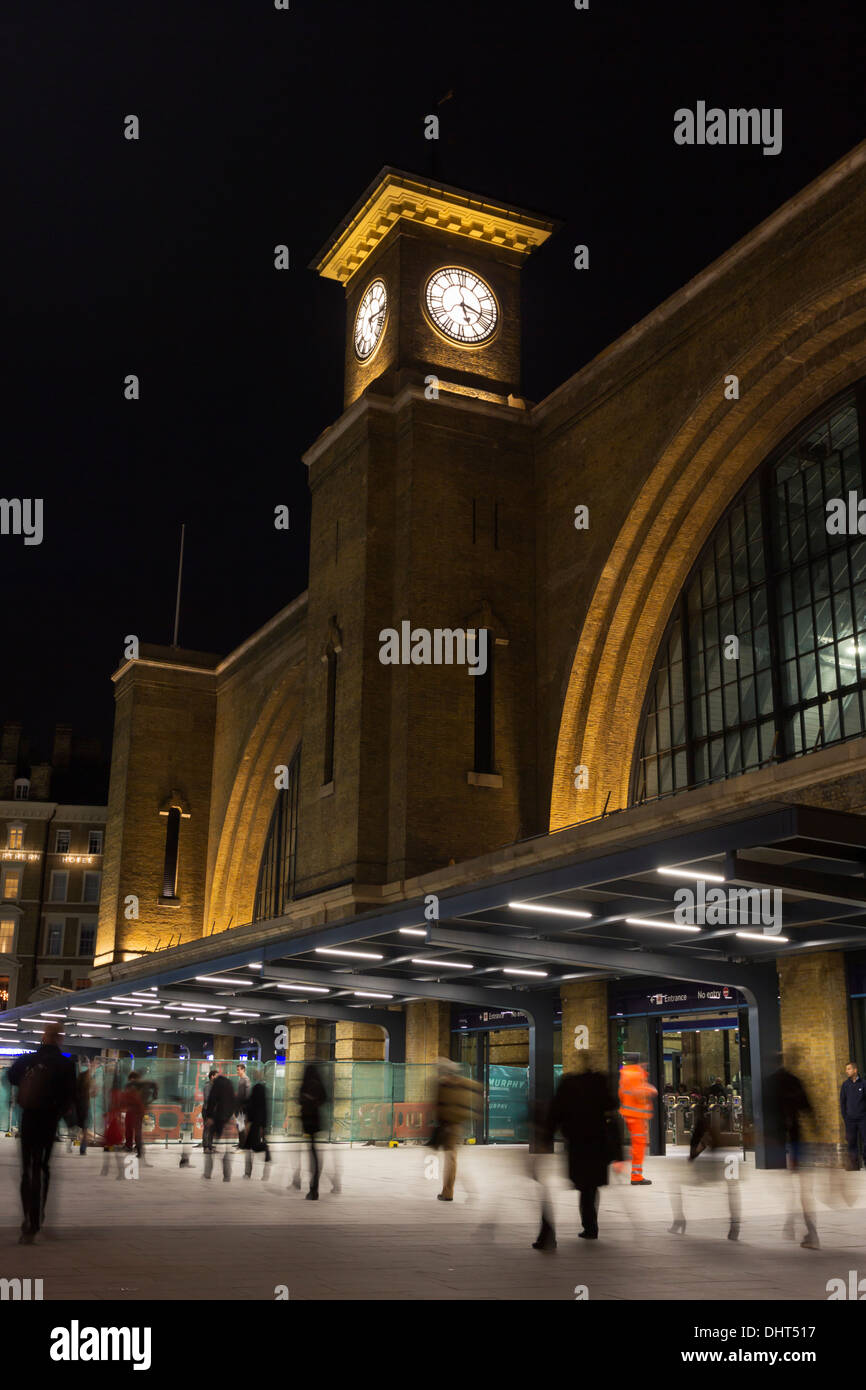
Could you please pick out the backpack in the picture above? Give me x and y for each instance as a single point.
(35, 1089)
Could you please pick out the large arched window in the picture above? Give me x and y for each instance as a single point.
(793, 594)
(276, 885)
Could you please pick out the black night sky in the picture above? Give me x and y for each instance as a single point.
(261, 127)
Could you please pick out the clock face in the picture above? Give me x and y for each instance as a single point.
(370, 320)
(462, 306)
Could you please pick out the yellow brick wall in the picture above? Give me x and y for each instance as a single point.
(584, 1002)
(815, 1034)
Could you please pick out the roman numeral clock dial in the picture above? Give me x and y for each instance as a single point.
(462, 306)
(370, 320)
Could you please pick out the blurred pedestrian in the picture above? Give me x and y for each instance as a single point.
(132, 1103)
(46, 1091)
(311, 1097)
(219, 1108)
(457, 1102)
(242, 1094)
(254, 1134)
(540, 1145)
(852, 1102)
(205, 1093)
(706, 1139)
(112, 1139)
(635, 1095)
(789, 1105)
(82, 1106)
(584, 1112)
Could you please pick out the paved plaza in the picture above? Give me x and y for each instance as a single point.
(168, 1234)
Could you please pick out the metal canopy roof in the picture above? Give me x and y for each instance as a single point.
(500, 944)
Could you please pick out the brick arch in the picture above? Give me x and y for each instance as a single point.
(272, 740)
(796, 366)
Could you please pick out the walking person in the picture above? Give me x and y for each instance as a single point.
(82, 1106)
(852, 1103)
(242, 1092)
(635, 1095)
(789, 1106)
(219, 1108)
(255, 1132)
(205, 1093)
(112, 1139)
(706, 1138)
(583, 1110)
(46, 1091)
(457, 1103)
(311, 1097)
(132, 1102)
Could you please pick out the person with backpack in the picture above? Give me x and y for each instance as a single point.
(46, 1092)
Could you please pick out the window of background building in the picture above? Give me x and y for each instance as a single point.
(795, 598)
(59, 884)
(276, 885)
(54, 939)
(16, 837)
(86, 938)
(22, 789)
(12, 883)
(90, 892)
(61, 843)
(7, 934)
(94, 843)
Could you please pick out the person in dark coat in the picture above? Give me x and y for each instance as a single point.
(255, 1132)
(311, 1097)
(852, 1103)
(789, 1106)
(46, 1093)
(219, 1108)
(706, 1138)
(584, 1111)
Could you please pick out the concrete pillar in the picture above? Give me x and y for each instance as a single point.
(584, 1005)
(223, 1047)
(764, 1045)
(166, 1050)
(815, 1036)
(540, 1062)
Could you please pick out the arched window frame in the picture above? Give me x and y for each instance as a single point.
(275, 885)
(774, 573)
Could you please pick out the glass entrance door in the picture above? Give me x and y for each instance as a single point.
(702, 1060)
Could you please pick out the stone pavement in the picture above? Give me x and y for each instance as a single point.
(170, 1235)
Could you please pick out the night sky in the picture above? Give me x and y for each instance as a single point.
(261, 127)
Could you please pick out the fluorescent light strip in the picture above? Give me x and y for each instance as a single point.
(242, 1013)
(307, 989)
(168, 1016)
(355, 955)
(661, 926)
(83, 1009)
(411, 931)
(451, 964)
(761, 936)
(556, 911)
(219, 980)
(513, 970)
(369, 994)
(692, 873)
(255, 967)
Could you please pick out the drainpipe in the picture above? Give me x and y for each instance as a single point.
(33, 980)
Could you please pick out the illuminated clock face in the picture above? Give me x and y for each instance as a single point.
(370, 320)
(461, 305)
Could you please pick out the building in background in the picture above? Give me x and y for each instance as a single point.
(52, 831)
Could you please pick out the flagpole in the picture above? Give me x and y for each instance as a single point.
(179, 577)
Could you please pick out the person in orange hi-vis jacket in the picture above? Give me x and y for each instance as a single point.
(635, 1106)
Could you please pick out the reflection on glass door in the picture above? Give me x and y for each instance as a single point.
(702, 1063)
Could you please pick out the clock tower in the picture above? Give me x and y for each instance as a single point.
(431, 281)
(423, 512)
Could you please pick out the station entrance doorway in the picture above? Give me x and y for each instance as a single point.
(697, 1053)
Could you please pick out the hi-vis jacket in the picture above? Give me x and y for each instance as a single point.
(635, 1092)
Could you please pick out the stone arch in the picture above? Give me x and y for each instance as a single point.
(273, 739)
(798, 364)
